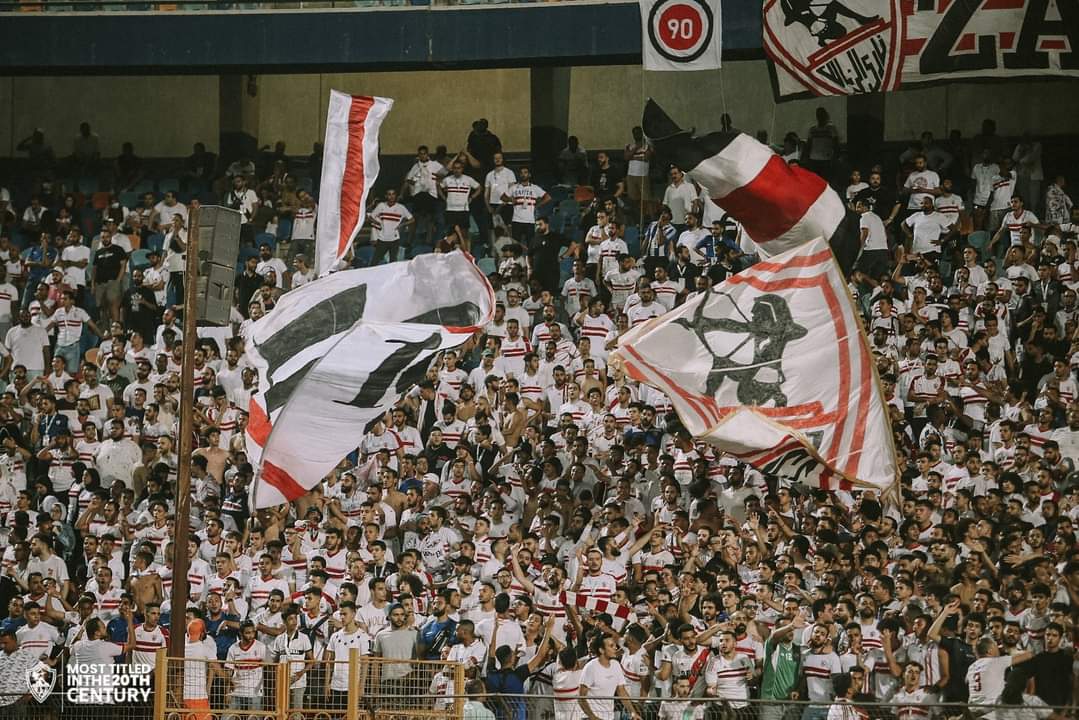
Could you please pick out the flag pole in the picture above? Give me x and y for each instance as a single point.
(182, 523)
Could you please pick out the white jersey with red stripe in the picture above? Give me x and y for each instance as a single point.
(728, 678)
(601, 586)
(636, 667)
(911, 705)
(567, 685)
(452, 432)
(260, 588)
(246, 665)
(513, 354)
(387, 219)
(818, 669)
(38, 639)
(596, 330)
(147, 643)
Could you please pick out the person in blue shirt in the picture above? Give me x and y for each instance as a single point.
(505, 676)
(39, 260)
(223, 628)
(117, 627)
(440, 631)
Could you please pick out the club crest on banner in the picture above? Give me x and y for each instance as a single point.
(748, 351)
(836, 47)
(40, 680)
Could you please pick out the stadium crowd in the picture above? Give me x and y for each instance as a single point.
(523, 467)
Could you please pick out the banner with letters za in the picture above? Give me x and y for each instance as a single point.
(772, 367)
(849, 47)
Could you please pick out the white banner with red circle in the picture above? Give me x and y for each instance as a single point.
(681, 34)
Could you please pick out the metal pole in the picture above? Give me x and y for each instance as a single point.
(180, 564)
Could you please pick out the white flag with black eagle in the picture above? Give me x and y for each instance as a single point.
(335, 354)
(772, 367)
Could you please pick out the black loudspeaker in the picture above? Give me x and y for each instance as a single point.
(219, 247)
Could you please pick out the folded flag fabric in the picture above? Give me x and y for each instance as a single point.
(335, 354)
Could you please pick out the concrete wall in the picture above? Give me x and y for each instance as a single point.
(164, 115)
(1048, 107)
(606, 102)
(429, 108)
(161, 115)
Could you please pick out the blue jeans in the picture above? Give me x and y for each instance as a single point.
(70, 354)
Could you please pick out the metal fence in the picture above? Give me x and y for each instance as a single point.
(666, 707)
(357, 688)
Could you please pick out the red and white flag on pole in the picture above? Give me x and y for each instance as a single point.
(772, 367)
(780, 206)
(349, 169)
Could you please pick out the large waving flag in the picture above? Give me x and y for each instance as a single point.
(335, 354)
(349, 169)
(772, 367)
(780, 206)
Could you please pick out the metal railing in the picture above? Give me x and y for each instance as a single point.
(359, 687)
(544, 707)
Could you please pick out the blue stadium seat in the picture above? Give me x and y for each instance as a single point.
(284, 228)
(486, 265)
(978, 240)
(156, 242)
(168, 185)
(129, 199)
(632, 237)
(266, 238)
(246, 252)
(140, 259)
(143, 187)
(364, 255)
(88, 184)
(307, 184)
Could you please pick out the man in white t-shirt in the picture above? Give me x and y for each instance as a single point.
(74, 260)
(29, 344)
(268, 262)
(244, 199)
(459, 190)
(421, 185)
(922, 183)
(602, 678)
(496, 186)
(525, 197)
(873, 261)
(948, 203)
(388, 218)
(985, 676)
(926, 229)
(92, 653)
(1017, 218)
(681, 197)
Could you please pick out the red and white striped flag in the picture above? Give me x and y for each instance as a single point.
(349, 169)
(337, 353)
(620, 614)
(772, 367)
(780, 206)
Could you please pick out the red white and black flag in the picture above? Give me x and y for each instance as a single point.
(780, 206)
(772, 367)
(335, 354)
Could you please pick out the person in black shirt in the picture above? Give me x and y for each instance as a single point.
(110, 264)
(880, 199)
(607, 180)
(247, 284)
(140, 307)
(545, 253)
(960, 650)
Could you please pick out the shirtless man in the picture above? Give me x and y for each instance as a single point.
(216, 457)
